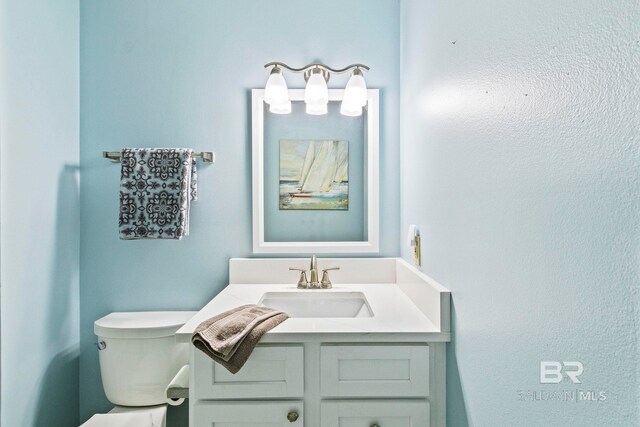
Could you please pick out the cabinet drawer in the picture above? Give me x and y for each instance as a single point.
(248, 414)
(396, 413)
(374, 370)
(271, 371)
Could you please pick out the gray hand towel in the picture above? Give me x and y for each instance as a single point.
(157, 186)
(230, 337)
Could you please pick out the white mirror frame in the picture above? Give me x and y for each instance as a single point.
(372, 244)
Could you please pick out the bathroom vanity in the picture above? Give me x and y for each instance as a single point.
(369, 352)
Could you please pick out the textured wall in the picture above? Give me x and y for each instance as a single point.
(520, 164)
(179, 73)
(40, 229)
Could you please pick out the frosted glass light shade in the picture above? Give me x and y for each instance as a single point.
(275, 92)
(280, 108)
(316, 109)
(356, 91)
(352, 110)
(316, 91)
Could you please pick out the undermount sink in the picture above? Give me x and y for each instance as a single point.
(314, 303)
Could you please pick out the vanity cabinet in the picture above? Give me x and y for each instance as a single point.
(336, 384)
(326, 367)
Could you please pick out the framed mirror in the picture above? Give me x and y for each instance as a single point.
(315, 178)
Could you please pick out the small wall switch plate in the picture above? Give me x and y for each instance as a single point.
(413, 240)
(411, 235)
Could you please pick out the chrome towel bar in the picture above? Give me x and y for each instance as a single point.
(207, 156)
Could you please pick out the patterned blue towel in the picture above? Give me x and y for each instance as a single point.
(157, 186)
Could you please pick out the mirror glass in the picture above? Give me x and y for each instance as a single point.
(315, 178)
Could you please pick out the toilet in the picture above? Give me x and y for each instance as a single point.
(138, 359)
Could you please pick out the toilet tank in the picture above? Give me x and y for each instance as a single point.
(139, 355)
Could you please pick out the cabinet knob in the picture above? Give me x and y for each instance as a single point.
(375, 425)
(292, 416)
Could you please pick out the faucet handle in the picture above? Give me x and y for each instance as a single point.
(326, 283)
(303, 283)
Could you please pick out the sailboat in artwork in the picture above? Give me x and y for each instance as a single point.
(326, 163)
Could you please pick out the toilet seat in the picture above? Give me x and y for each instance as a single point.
(123, 416)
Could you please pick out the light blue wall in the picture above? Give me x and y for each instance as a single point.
(520, 165)
(39, 135)
(179, 73)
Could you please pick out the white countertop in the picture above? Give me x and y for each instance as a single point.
(395, 316)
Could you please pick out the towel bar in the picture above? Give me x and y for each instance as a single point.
(207, 156)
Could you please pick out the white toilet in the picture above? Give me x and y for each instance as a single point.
(138, 359)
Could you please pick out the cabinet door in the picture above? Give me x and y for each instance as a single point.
(271, 372)
(374, 370)
(353, 413)
(248, 414)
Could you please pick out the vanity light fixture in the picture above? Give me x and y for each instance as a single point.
(276, 93)
(316, 93)
(355, 95)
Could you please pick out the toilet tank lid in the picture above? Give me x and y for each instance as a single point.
(141, 324)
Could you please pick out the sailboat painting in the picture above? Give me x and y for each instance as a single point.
(314, 174)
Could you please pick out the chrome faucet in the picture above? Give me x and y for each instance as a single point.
(313, 273)
(313, 282)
